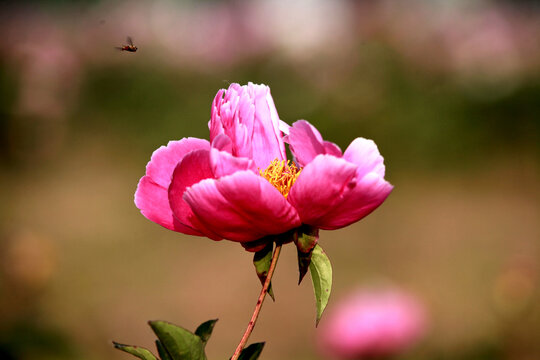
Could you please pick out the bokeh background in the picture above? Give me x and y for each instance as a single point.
(449, 90)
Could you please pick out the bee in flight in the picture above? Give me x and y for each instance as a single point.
(129, 47)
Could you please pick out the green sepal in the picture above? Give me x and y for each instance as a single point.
(252, 352)
(304, 259)
(163, 354)
(204, 331)
(136, 351)
(321, 276)
(178, 342)
(305, 240)
(262, 260)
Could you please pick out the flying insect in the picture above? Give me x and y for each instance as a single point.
(129, 47)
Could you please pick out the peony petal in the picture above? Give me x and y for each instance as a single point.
(320, 186)
(266, 142)
(357, 202)
(214, 125)
(241, 207)
(332, 149)
(193, 168)
(152, 199)
(165, 159)
(365, 154)
(305, 142)
(151, 195)
(284, 127)
(248, 116)
(222, 163)
(222, 142)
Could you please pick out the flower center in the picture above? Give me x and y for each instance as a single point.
(281, 174)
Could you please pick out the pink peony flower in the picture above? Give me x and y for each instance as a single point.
(372, 324)
(239, 185)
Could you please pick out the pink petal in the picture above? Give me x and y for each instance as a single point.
(222, 163)
(151, 195)
(248, 116)
(215, 125)
(152, 199)
(284, 127)
(365, 154)
(332, 149)
(320, 186)
(241, 207)
(356, 202)
(266, 142)
(164, 159)
(193, 168)
(222, 142)
(305, 142)
(341, 199)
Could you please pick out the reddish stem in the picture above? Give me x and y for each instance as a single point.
(260, 301)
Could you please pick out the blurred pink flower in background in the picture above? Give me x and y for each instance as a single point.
(463, 41)
(47, 67)
(46, 73)
(320, 38)
(371, 324)
(49, 78)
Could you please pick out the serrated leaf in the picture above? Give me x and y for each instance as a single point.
(163, 354)
(204, 331)
(137, 351)
(262, 260)
(252, 352)
(321, 276)
(180, 343)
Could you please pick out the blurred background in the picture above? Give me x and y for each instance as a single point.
(449, 90)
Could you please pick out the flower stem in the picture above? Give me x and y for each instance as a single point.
(258, 307)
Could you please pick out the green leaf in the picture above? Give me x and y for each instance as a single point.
(204, 331)
(321, 275)
(252, 352)
(179, 343)
(163, 354)
(262, 260)
(137, 351)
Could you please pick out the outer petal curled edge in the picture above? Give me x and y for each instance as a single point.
(151, 194)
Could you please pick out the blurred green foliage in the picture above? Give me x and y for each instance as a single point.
(27, 338)
(418, 120)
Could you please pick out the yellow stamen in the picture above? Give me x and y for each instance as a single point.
(281, 174)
